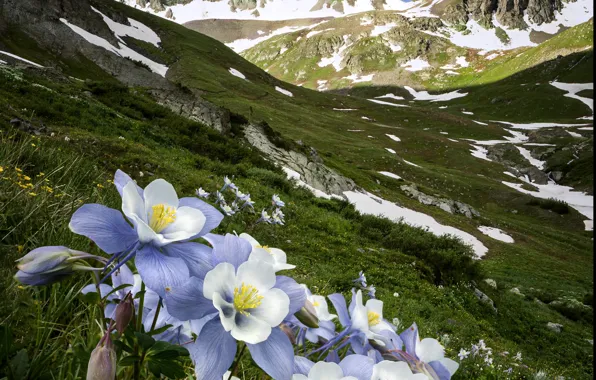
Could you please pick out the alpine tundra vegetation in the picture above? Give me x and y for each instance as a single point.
(296, 189)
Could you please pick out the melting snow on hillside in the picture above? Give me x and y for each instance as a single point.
(368, 203)
(337, 56)
(294, 175)
(390, 96)
(237, 73)
(528, 156)
(480, 152)
(496, 233)
(424, 95)
(246, 43)
(136, 30)
(387, 103)
(391, 175)
(416, 64)
(479, 122)
(411, 163)
(393, 137)
(582, 202)
(572, 90)
(380, 29)
(355, 78)
(533, 126)
(19, 58)
(390, 150)
(285, 92)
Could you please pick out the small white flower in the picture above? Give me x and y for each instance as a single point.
(141, 174)
(201, 193)
(52, 134)
(229, 211)
(249, 305)
(396, 322)
(273, 256)
(121, 137)
(463, 354)
(276, 201)
(518, 357)
(488, 360)
(66, 138)
(396, 294)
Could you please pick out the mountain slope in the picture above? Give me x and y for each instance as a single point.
(551, 254)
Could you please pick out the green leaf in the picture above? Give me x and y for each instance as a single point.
(169, 368)
(91, 298)
(19, 365)
(165, 346)
(165, 354)
(159, 330)
(139, 294)
(144, 340)
(129, 360)
(123, 346)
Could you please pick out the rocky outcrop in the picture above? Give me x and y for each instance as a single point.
(192, 106)
(484, 299)
(508, 155)
(170, 14)
(314, 173)
(448, 205)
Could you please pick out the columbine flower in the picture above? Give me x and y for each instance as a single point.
(228, 184)
(369, 318)
(239, 300)
(488, 361)
(396, 322)
(371, 291)
(46, 265)
(241, 196)
(481, 345)
(391, 370)
(361, 279)
(278, 217)
(463, 354)
(219, 198)
(428, 352)
(229, 211)
(162, 224)
(276, 201)
(518, 357)
(264, 217)
(102, 363)
(248, 203)
(273, 256)
(201, 193)
(352, 367)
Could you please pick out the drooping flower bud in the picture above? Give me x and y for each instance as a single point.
(288, 331)
(46, 265)
(124, 313)
(308, 315)
(102, 363)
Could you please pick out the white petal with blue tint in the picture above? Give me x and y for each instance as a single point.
(220, 280)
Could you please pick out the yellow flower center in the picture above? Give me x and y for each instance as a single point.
(373, 318)
(315, 304)
(247, 297)
(265, 247)
(162, 217)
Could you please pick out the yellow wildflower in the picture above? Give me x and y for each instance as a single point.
(20, 248)
(1, 169)
(33, 194)
(99, 185)
(26, 178)
(18, 170)
(48, 189)
(32, 144)
(41, 174)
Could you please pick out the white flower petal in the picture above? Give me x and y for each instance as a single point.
(451, 365)
(257, 274)
(429, 349)
(160, 192)
(250, 329)
(189, 222)
(132, 203)
(321, 307)
(279, 255)
(299, 377)
(261, 255)
(359, 314)
(274, 307)
(227, 313)
(146, 234)
(249, 238)
(220, 279)
(325, 371)
(390, 370)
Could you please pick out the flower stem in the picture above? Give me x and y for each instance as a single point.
(237, 361)
(139, 326)
(156, 315)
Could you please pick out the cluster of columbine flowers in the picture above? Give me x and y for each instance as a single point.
(242, 201)
(481, 351)
(212, 298)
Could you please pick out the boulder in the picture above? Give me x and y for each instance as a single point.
(517, 292)
(490, 282)
(556, 327)
(484, 299)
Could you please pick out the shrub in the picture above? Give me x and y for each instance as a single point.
(554, 205)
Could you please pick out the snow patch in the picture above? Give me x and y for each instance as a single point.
(533, 126)
(380, 29)
(479, 152)
(285, 92)
(411, 163)
(574, 134)
(496, 233)
(294, 175)
(416, 64)
(389, 174)
(424, 95)
(528, 156)
(19, 58)
(467, 112)
(135, 30)
(572, 90)
(344, 109)
(237, 73)
(368, 203)
(479, 122)
(387, 103)
(390, 96)
(393, 137)
(355, 78)
(315, 32)
(390, 150)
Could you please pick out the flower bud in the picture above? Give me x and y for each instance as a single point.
(288, 331)
(124, 312)
(46, 265)
(102, 364)
(308, 315)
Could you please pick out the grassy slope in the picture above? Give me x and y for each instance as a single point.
(324, 240)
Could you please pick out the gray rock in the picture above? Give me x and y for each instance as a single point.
(315, 174)
(557, 175)
(517, 292)
(447, 205)
(484, 299)
(169, 14)
(556, 327)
